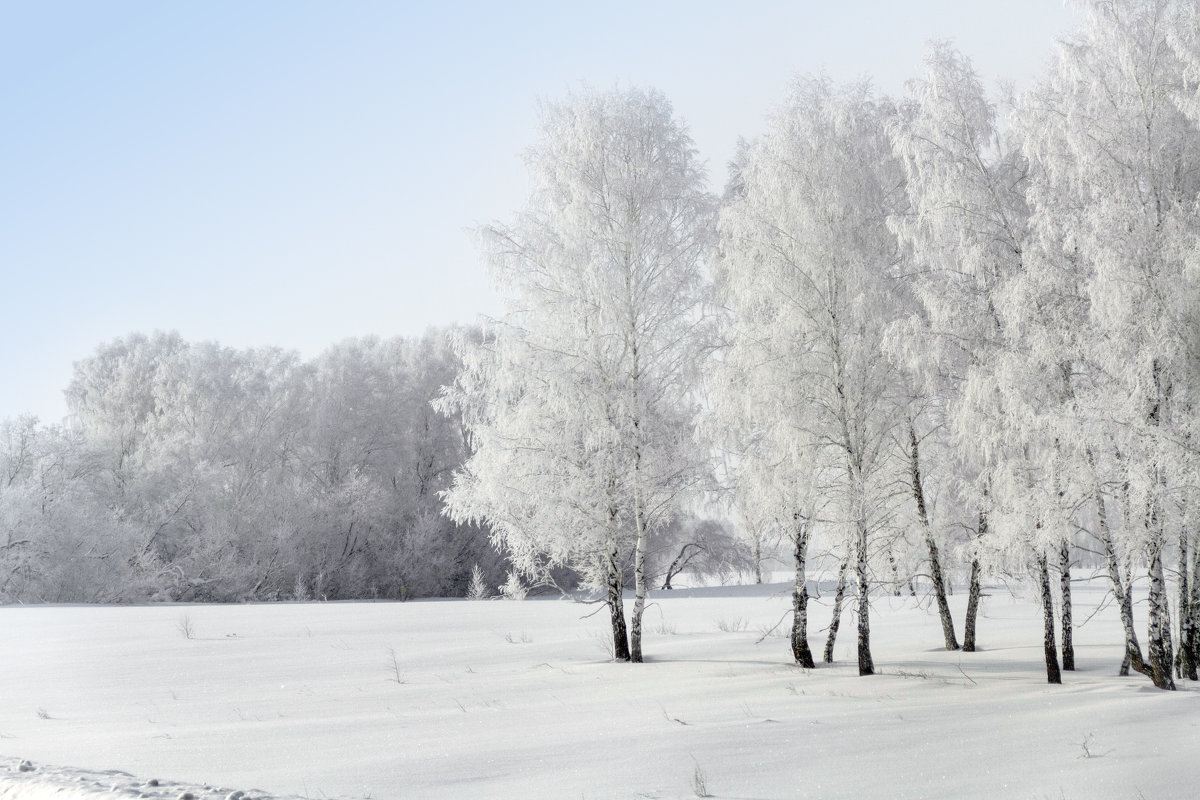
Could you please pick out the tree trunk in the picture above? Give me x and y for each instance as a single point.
(935, 564)
(639, 593)
(973, 594)
(1159, 636)
(1121, 591)
(800, 650)
(616, 605)
(1133, 649)
(1064, 558)
(835, 622)
(1068, 640)
(639, 511)
(1187, 612)
(1053, 674)
(1133, 656)
(1193, 643)
(866, 666)
(758, 558)
(896, 582)
(642, 542)
(974, 591)
(1168, 638)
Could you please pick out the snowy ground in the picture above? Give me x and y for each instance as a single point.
(519, 699)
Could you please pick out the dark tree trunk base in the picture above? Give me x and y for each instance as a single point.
(973, 594)
(1053, 673)
(935, 561)
(800, 650)
(1158, 644)
(1068, 625)
(836, 621)
(616, 606)
(866, 665)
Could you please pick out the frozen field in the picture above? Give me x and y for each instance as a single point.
(519, 699)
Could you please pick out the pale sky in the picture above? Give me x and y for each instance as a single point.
(294, 173)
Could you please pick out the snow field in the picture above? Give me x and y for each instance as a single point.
(519, 699)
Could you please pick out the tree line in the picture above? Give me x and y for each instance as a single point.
(914, 335)
(191, 471)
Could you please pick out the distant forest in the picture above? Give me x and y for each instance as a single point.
(196, 472)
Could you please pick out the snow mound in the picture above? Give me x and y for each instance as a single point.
(23, 780)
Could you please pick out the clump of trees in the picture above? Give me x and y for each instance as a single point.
(190, 471)
(942, 342)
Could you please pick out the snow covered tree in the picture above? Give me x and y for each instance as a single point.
(964, 235)
(757, 398)
(703, 548)
(918, 477)
(539, 474)
(807, 267)
(1113, 189)
(478, 590)
(579, 404)
(373, 456)
(59, 540)
(1183, 33)
(252, 474)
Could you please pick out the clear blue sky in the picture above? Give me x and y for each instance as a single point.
(294, 173)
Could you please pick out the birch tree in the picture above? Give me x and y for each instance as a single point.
(806, 262)
(592, 372)
(1113, 193)
(1184, 37)
(964, 234)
